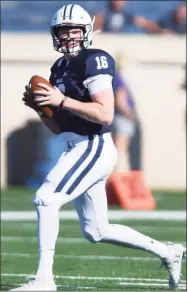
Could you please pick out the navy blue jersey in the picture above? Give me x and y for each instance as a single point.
(69, 78)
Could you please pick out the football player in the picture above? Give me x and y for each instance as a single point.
(83, 102)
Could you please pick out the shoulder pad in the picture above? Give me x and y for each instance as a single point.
(99, 62)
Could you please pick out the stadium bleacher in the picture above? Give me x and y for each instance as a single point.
(32, 16)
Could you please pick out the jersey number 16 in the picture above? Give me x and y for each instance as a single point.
(101, 62)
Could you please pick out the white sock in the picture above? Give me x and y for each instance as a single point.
(126, 236)
(48, 229)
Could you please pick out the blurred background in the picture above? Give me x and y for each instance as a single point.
(148, 41)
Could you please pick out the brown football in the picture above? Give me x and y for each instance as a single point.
(47, 110)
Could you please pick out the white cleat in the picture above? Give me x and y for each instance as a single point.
(173, 263)
(37, 285)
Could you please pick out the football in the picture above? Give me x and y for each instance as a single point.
(47, 110)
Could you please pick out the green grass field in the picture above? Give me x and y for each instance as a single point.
(80, 265)
(20, 199)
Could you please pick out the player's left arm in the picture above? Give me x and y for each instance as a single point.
(99, 74)
(100, 110)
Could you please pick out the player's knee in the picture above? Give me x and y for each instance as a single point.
(43, 198)
(92, 234)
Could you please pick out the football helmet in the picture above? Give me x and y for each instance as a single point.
(72, 16)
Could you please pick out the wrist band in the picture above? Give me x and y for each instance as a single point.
(62, 102)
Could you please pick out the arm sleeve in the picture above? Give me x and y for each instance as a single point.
(98, 83)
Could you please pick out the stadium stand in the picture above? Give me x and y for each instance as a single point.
(32, 16)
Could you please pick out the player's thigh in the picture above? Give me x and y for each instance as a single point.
(55, 188)
(92, 166)
(87, 163)
(45, 195)
(97, 167)
(92, 210)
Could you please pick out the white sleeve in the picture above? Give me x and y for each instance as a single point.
(98, 83)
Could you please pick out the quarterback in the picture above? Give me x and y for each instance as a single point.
(83, 102)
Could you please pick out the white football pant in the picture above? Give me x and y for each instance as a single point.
(80, 176)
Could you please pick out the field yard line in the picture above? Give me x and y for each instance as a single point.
(70, 240)
(64, 286)
(113, 215)
(94, 257)
(91, 278)
(149, 285)
(75, 287)
(85, 257)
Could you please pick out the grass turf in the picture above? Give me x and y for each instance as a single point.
(19, 198)
(77, 257)
(80, 265)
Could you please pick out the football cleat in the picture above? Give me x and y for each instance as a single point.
(37, 285)
(173, 263)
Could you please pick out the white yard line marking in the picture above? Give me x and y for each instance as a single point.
(112, 214)
(69, 240)
(181, 286)
(86, 257)
(60, 286)
(75, 287)
(92, 278)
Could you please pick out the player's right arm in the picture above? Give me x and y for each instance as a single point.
(49, 123)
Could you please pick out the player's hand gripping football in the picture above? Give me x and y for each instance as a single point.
(49, 96)
(28, 99)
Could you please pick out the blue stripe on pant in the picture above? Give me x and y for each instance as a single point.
(75, 167)
(88, 167)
